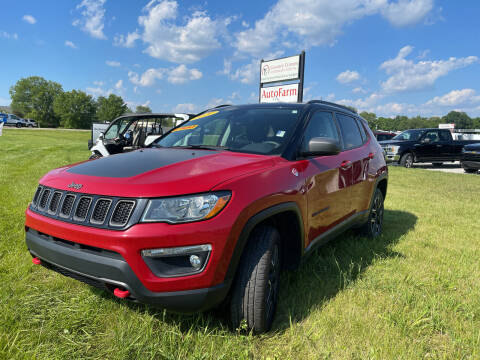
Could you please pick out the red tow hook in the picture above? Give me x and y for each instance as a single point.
(36, 261)
(122, 294)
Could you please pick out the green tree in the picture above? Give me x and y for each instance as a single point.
(110, 108)
(371, 119)
(141, 109)
(34, 97)
(75, 109)
(460, 119)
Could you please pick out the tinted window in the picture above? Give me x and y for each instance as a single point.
(362, 130)
(350, 132)
(321, 124)
(431, 136)
(412, 135)
(445, 136)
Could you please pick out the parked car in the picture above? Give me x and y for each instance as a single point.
(3, 118)
(30, 123)
(471, 158)
(213, 211)
(131, 132)
(384, 135)
(14, 120)
(424, 145)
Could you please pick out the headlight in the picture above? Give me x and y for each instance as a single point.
(185, 208)
(393, 149)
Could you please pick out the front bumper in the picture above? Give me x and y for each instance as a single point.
(392, 158)
(108, 270)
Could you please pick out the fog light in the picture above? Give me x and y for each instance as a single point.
(177, 261)
(195, 261)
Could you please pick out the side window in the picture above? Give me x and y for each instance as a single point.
(321, 124)
(445, 136)
(431, 136)
(362, 130)
(350, 131)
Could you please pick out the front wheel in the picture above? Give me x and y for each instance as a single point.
(406, 160)
(470, 171)
(255, 291)
(374, 226)
(18, 125)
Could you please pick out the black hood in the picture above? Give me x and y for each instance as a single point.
(136, 162)
(396, 142)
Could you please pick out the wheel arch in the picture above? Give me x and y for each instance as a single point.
(292, 237)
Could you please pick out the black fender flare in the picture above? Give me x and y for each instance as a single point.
(250, 225)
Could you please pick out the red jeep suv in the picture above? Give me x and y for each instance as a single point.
(213, 210)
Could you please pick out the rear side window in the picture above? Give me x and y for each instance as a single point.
(321, 124)
(362, 130)
(350, 131)
(444, 136)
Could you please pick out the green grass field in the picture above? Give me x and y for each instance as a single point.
(414, 293)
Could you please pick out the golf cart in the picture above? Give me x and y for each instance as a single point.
(131, 132)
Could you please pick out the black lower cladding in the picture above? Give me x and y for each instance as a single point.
(136, 162)
(107, 270)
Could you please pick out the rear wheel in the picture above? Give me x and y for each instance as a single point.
(374, 226)
(470, 171)
(18, 125)
(255, 291)
(406, 160)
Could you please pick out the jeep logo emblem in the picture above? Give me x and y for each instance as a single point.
(75, 186)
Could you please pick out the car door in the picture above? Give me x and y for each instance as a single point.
(325, 184)
(430, 147)
(355, 161)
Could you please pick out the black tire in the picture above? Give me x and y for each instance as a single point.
(94, 156)
(407, 160)
(470, 171)
(374, 226)
(437, 164)
(18, 125)
(255, 291)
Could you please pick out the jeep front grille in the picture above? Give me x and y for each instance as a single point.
(84, 209)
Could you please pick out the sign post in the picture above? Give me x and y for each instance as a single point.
(290, 68)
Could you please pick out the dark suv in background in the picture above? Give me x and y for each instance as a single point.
(213, 210)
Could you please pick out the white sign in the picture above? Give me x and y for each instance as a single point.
(446, 126)
(281, 93)
(281, 69)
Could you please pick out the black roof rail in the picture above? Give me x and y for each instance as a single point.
(220, 106)
(332, 104)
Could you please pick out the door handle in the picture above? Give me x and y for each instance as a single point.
(345, 165)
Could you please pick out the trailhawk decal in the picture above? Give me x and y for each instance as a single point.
(204, 115)
(189, 127)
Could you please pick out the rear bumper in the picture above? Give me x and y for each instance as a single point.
(109, 270)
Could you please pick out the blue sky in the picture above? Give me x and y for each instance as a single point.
(387, 56)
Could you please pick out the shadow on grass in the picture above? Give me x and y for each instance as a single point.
(319, 278)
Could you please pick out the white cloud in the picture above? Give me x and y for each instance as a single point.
(99, 89)
(127, 41)
(112, 63)
(167, 40)
(182, 74)
(348, 76)
(93, 17)
(315, 23)
(407, 12)
(6, 35)
(29, 19)
(70, 44)
(185, 108)
(406, 75)
(455, 98)
(359, 90)
(178, 75)
(246, 74)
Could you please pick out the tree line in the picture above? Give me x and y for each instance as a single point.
(45, 102)
(399, 123)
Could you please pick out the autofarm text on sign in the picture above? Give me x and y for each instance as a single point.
(281, 93)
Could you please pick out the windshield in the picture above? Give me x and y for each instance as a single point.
(411, 135)
(252, 130)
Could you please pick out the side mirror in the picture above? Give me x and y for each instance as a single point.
(321, 146)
